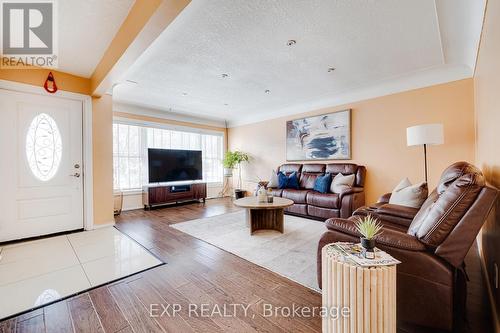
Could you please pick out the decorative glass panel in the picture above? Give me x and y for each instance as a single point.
(43, 147)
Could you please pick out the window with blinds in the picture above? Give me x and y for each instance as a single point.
(130, 149)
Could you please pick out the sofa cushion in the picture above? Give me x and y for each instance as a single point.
(308, 180)
(398, 211)
(276, 192)
(348, 169)
(325, 200)
(322, 183)
(457, 190)
(300, 209)
(323, 213)
(297, 196)
(309, 174)
(290, 167)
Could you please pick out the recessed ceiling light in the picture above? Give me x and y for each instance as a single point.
(184, 94)
(224, 75)
(267, 91)
(291, 42)
(331, 69)
(225, 104)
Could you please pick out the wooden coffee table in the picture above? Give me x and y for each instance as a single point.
(263, 215)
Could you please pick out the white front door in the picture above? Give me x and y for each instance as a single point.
(41, 180)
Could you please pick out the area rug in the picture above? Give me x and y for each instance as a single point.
(291, 254)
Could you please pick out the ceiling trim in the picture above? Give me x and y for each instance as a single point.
(119, 107)
(420, 79)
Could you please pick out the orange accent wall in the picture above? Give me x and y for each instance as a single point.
(378, 136)
(102, 134)
(487, 106)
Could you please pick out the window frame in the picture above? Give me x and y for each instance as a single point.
(170, 127)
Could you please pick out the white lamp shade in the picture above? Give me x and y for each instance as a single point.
(429, 134)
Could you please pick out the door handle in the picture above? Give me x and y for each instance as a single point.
(76, 174)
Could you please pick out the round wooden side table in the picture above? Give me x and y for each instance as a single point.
(369, 294)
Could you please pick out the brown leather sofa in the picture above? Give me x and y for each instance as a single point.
(430, 242)
(310, 203)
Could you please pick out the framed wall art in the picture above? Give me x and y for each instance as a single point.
(324, 137)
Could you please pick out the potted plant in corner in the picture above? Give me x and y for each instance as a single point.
(368, 227)
(233, 159)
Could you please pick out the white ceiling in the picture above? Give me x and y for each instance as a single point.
(377, 47)
(86, 28)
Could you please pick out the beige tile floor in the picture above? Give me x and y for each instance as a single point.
(38, 272)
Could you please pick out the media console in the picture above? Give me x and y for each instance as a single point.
(156, 195)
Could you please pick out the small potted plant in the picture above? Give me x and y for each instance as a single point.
(368, 227)
(233, 159)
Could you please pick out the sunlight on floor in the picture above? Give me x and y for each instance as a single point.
(39, 272)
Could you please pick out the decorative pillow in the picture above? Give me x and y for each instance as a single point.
(322, 183)
(273, 180)
(282, 180)
(340, 183)
(291, 181)
(406, 194)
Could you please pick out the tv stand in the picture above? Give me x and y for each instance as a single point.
(157, 195)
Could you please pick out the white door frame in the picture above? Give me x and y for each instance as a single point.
(88, 189)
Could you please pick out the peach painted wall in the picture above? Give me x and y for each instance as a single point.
(102, 134)
(487, 105)
(37, 77)
(378, 136)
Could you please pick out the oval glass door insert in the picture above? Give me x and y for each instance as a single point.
(43, 147)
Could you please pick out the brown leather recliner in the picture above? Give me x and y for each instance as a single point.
(322, 206)
(431, 281)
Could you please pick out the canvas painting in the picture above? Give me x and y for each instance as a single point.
(325, 137)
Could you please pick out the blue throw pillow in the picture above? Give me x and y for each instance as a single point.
(322, 183)
(291, 181)
(282, 180)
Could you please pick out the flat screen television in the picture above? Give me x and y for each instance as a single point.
(171, 165)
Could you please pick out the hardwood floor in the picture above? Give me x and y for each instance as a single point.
(197, 273)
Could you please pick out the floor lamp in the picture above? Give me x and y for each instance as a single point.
(429, 134)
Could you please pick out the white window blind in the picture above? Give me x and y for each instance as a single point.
(130, 152)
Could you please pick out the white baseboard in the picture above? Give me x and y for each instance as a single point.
(104, 225)
(132, 208)
(494, 315)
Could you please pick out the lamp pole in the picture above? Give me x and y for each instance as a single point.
(425, 161)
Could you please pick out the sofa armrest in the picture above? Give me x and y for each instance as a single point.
(346, 226)
(398, 211)
(388, 237)
(400, 240)
(350, 200)
(351, 190)
(384, 198)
